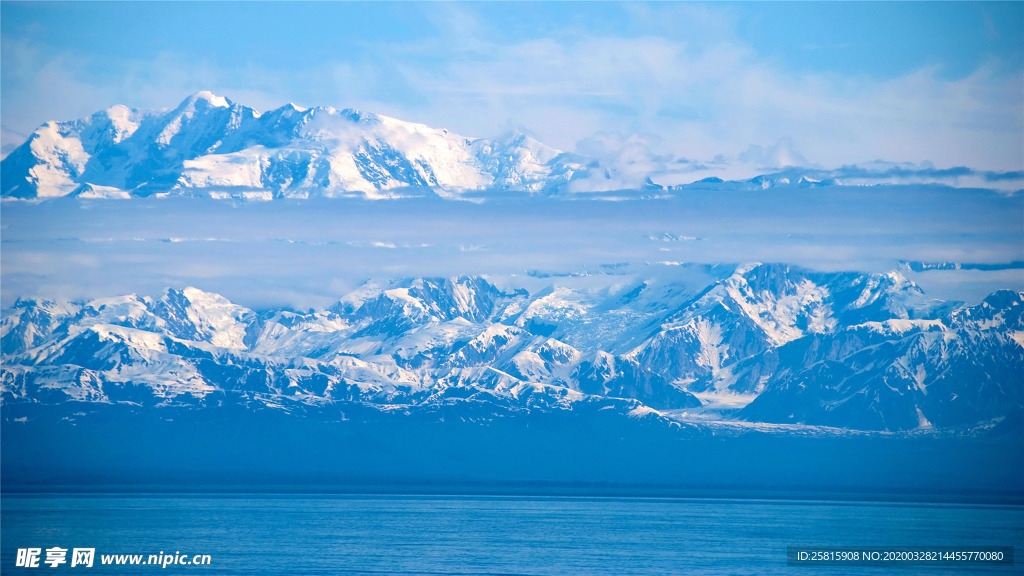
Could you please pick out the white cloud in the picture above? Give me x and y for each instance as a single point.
(623, 162)
(780, 155)
(684, 80)
(722, 99)
(310, 253)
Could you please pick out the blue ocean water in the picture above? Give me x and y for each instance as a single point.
(268, 534)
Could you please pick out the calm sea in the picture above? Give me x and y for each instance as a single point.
(453, 535)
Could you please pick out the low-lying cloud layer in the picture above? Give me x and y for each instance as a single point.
(310, 253)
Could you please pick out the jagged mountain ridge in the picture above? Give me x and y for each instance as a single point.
(209, 145)
(903, 373)
(850, 350)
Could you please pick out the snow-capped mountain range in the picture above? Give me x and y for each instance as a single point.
(779, 344)
(211, 146)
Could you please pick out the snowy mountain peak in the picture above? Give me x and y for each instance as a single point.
(211, 146)
(208, 98)
(199, 315)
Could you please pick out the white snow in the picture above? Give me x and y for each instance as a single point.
(123, 120)
(61, 160)
(78, 384)
(641, 411)
(922, 422)
(1018, 337)
(919, 377)
(218, 317)
(95, 191)
(901, 326)
(137, 339)
(213, 99)
(242, 169)
(711, 350)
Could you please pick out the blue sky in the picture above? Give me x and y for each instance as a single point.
(666, 87)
